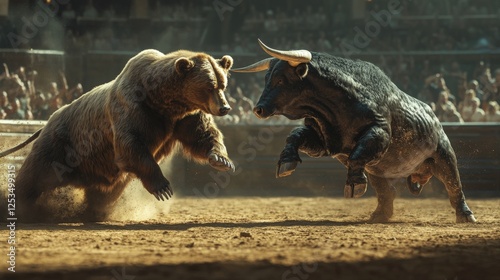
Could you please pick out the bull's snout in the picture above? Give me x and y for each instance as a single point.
(258, 111)
(224, 110)
(261, 112)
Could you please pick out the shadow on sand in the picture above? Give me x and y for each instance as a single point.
(459, 262)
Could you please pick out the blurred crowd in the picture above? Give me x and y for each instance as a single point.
(456, 99)
(327, 26)
(22, 99)
(458, 90)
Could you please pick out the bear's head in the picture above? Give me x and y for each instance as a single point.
(205, 80)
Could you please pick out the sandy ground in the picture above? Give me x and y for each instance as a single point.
(267, 238)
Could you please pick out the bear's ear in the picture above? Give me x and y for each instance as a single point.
(302, 70)
(226, 62)
(183, 65)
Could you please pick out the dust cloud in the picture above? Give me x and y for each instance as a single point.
(136, 204)
(67, 204)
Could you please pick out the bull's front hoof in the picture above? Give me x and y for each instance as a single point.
(354, 190)
(286, 168)
(356, 185)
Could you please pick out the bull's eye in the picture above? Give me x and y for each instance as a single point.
(280, 82)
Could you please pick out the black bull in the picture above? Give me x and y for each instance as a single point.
(353, 112)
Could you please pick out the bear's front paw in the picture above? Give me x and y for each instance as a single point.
(220, 163)
(161, 190)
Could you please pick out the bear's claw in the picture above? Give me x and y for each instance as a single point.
(164, 192)
(220, 163)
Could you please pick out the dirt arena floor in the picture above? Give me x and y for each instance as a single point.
(268, 238)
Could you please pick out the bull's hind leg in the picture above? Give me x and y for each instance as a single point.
(385, 198)
(445, 169)
(371, 145)
(202, 140)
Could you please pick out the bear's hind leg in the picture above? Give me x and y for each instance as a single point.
(100, 202)
(202, 140)
(35, 178)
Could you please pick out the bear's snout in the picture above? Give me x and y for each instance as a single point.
(220, 106)
(224, 110)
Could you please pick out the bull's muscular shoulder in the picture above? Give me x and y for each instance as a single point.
(350, 74)
(363, 82)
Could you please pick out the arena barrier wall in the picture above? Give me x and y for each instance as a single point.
(256, 148)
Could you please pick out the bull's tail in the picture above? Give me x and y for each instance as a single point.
(22, 145)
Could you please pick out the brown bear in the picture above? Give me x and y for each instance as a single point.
(124, 128)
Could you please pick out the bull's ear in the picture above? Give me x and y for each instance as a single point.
(302, 70)
(183, 65)
(226, 62)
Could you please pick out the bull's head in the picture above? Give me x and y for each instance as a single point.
(284, 82)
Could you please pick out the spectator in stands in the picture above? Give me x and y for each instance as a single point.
(493, 112)
(434, 86)
(486, 82)
(478, 115)
(40, 106)
(496, 96)
(14, 111)
(468, 107)
(53, 91)
(450, 114)
(474, 85)
(446, 110)
(455, 77)
(19, 98)
(54, 104)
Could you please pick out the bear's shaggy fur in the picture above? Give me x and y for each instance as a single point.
(124, 128)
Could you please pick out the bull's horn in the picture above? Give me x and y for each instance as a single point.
(256, 67)
(294, 57)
